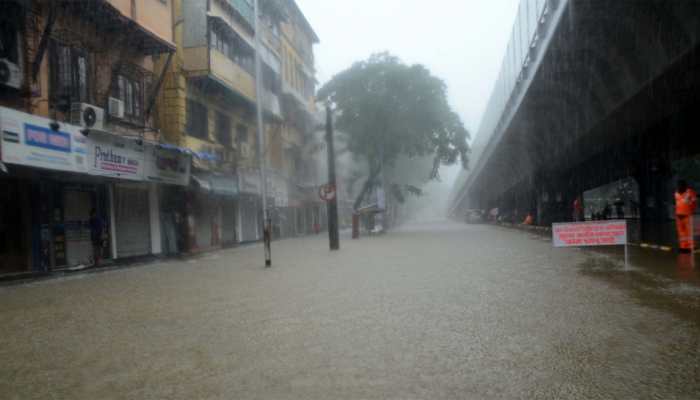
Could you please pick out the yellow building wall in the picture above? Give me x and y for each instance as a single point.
(232, 75)
(154, 15)
(195, 60)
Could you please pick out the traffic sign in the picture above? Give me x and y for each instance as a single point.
(327, 192)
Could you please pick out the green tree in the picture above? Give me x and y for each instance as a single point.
(389, 109)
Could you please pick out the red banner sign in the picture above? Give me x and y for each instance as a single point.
(596, 233)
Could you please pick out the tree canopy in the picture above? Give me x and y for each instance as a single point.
(389, 109)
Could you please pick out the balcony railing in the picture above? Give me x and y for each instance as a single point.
(245, 9)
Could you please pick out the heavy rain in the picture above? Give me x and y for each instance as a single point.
(302, 199)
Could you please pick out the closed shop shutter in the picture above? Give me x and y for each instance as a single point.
(249, 220)
(228, 225)
(78, 246)
(203, 217)
(132, 221)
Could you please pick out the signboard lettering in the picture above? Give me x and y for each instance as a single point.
(603, 233)
(28, 140)
(167, 166)
(47, 138)
(116, 157)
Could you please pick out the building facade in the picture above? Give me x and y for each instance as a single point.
(209, 102)
(143, 113)
(80, 133)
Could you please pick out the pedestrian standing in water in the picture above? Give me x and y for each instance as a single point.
(686, 202)
(96, 229)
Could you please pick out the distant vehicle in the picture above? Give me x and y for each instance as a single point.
(474, 216)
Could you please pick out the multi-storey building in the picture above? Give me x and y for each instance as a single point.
(80, 132)
(209, 103)
(297, 39)
(144, 111)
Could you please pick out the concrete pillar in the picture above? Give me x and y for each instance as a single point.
(112, 222)
(154, 215)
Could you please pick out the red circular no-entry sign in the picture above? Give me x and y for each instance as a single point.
(327, 192)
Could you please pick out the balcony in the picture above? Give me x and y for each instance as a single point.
(244, 8)
(148, 24)
(289, 89)
(221, 69)
(271, 104)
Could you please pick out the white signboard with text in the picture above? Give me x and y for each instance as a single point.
(114, 156)
(29, 140)
(594, 233)
(167, 166)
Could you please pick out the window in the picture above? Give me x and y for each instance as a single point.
(242, 133)
(233, 47)
(70, 76)
(197, 121)
(223, 128)
(130, 92)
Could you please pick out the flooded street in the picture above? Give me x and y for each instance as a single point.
(432, 311)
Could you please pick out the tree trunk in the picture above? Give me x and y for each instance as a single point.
(365, 188)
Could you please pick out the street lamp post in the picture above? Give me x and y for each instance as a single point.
(332, 203)
(267, 226)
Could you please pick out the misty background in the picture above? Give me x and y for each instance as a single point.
(462, 42)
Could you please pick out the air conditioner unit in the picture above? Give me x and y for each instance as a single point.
(10, 74)
(87, 116)
(115, 108)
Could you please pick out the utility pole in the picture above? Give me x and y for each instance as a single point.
(332, 203)
(267, 225)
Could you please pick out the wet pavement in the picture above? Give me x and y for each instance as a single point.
(432, 311)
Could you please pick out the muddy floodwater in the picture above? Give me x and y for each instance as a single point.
(433, 311)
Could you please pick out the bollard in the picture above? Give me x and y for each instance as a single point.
(355, 226)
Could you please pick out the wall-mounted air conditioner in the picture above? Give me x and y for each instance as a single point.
(115, 108)
(10, 74)
(87, 116)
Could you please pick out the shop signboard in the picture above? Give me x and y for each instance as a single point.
(249, 182)
(114, 156)
(167, 166)
(31, 141)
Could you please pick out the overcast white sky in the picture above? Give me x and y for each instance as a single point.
(460, 41)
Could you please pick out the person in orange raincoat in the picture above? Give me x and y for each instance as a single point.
(686, 202)
(528, 219)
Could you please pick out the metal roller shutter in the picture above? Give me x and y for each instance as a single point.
(249, 219)
(228, 225)
(133, 231)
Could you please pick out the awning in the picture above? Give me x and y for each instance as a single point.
(224, 185)
(202, 182)
(216, 184)
(168, 146)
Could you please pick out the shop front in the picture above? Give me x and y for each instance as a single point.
(15, 236)
(226, 188)
(169, 167)
(47, 195)
(249, 206)
(56, 177)
(211, 211)
(122, 161)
